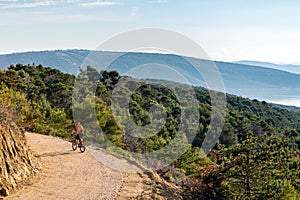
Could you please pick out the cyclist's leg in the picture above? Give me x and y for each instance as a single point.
(80, 138)
(77, 139)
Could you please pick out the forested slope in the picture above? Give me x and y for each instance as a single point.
(258, 140)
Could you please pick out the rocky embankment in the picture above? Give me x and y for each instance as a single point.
(17, 164)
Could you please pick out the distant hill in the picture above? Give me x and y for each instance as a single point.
(289, 68)
(66, 61)
(251, 81)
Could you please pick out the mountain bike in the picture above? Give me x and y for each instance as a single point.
(75, 144)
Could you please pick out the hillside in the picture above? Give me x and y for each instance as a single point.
(256, 135)
(250, 81)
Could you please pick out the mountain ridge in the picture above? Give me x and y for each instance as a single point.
(292, 68)
(250, 81)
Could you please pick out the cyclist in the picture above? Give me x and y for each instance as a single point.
(79, 131)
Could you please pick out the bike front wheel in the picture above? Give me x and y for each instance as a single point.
(74, 145)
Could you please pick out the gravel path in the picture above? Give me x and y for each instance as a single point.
(68, 174)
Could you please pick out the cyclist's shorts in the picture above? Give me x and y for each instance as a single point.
(78, 136)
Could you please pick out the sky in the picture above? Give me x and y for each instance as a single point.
(227, 30)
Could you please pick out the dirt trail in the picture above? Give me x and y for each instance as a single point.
(68, 174)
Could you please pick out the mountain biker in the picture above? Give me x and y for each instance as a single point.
(79, 131)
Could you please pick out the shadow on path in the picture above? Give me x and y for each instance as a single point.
(53, 154)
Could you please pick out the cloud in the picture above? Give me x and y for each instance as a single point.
(15, 4)
(98, 3)
(157, 1)
(7, 1)
(134, 11)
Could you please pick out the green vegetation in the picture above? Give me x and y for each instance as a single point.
(37, 98)
(256, 157)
